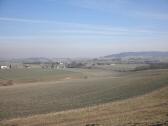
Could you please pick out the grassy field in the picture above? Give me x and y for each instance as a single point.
(146, 110)
(40, 98)
(36, 75)
(122, 67)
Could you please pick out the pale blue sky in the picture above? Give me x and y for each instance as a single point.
(81, 28)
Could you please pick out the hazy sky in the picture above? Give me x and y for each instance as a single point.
(81, 28)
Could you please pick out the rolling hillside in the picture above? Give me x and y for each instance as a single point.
(146, 110)
(153, 54)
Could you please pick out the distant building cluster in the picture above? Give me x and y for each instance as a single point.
(55, 65)
(47, 65)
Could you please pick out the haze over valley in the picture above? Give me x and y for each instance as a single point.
(83, 63)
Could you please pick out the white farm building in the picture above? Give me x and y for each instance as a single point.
(4, 67)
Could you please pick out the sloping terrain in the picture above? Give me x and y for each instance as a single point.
(147, 110)
(41, 98)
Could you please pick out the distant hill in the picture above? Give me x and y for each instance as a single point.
(29, 60)
(138, 54)
(36, 60)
